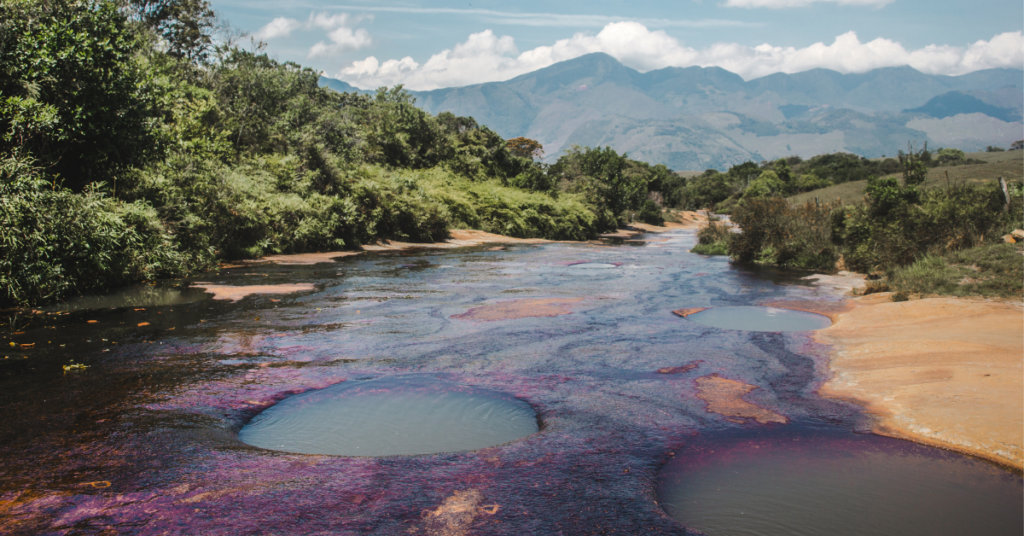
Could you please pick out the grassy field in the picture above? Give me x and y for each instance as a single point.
(1006, 164)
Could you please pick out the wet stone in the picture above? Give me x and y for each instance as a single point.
(389, 417)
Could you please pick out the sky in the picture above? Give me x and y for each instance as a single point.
(427, 45)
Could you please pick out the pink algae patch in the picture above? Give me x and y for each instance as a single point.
(235, 293)
(725, 397)
(530, 308)
(688, 311)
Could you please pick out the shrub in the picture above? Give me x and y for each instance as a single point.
(775, 233)
(650, 213)
(991, 270)
(54, 242)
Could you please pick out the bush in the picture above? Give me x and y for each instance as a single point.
(713, 239)
(775, 233)
(54, 242)
(650, 213)
(898, 225)
(992, 270)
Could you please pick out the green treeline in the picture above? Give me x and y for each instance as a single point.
(135, 143)
(792, 175)
(911, 240)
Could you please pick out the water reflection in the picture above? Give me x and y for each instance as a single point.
(760, 319)
(134, 296)
(821, 481)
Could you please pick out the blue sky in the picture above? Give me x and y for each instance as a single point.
(439, 44)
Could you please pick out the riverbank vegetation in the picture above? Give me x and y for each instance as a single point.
(138, 141)
(911, 239)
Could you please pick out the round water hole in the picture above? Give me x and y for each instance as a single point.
(837, 483)
(389, 417)
(760, 319)
(592, 266)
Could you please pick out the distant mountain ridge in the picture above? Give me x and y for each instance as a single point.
(704, 117)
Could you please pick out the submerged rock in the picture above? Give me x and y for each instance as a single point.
(509, 310)
(725, 397)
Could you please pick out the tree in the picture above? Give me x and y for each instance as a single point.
(768, 184)
(951, 156)
(74, 95)
(186, 26)
(525, 147)
(914, 163)
(601, 175)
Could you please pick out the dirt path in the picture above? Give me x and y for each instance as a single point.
(940, 371)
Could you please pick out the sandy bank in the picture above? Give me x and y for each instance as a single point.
(461, 238)
(235, 293)
(940, 371)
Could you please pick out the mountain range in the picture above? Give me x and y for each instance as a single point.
(696, 118)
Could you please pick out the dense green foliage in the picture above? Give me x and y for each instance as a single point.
(713, 239)
(132, 148)
(989, 270)
(940, 240)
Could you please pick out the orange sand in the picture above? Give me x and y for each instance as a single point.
(941, 371)
(461, 238)
(725, 397)
(508, 310)
(308, 258)
(679, 370)
(235, 293)
(456, 515)
(824, 308)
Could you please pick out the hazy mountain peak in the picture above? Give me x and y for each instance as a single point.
(700, 117)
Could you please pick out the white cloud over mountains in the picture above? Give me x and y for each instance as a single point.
(340, 33)
(486, 57)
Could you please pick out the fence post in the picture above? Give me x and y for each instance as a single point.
(1006, 195)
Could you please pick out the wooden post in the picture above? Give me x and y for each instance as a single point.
(1006, 195)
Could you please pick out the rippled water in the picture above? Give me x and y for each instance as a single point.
(760, 319)
(821, 481)
(390, 417)
(146, 439)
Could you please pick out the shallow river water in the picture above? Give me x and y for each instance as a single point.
(571, 348)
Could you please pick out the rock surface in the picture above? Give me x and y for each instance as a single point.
(509, 310)
(940, 371)
(725, 397)
(235, 293)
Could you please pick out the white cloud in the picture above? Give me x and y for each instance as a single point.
(342, 39)
(551, 19)
(485, 57)
(777, 4)
(340, 33)
(279, 27)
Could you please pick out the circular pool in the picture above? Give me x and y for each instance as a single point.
(836, 483)
(388, 417)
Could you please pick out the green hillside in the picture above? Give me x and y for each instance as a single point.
(1006, 164)
(700, 118)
